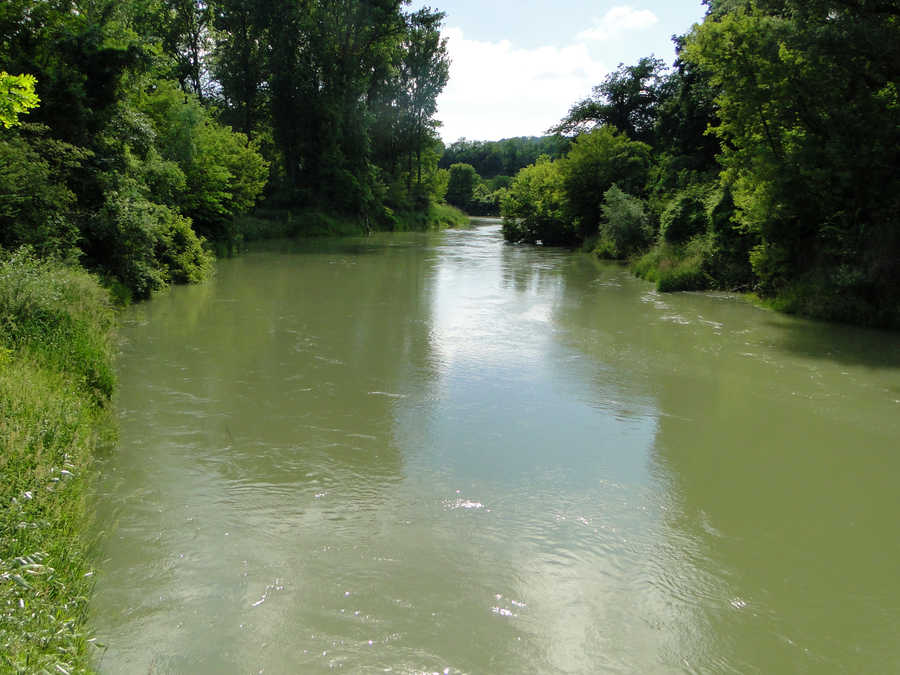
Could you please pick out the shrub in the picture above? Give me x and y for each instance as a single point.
(625, 228)
(145, 245)
(684, 217)
(534, 207)
(677, 267)
(461, 183)
(34, 203)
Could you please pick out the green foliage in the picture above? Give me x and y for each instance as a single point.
(534, 207)
(224, 173)
(505, 157)
(729, 262)
(146, 245)
(461, 185)
(35, 205)
(434, 217)
(498, 183)
(17, 97)
(439, 184)
(595, 162)
(625, 228)
(627, 100)
(59, 314)
(806, 94)
(56, 378)
(685, 216)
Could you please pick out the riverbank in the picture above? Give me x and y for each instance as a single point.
(56, 382)
(272, 223)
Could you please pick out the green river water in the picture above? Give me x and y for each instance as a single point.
(440, 453)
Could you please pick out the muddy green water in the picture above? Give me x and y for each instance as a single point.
(440, 453)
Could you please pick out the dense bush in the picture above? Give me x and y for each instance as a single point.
(625, 228)
(677, 267)
(146, 245)
(534, 207)
(35, 204)
(684, 217)
(595, 162)
(461, 185)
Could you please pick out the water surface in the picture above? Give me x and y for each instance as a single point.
(441, 453)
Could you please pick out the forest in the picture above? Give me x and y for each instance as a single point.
(766, 160)
(137, 135)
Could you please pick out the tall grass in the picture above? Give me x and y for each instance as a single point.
(56, 379)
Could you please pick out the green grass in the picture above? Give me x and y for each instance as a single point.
(56, 379)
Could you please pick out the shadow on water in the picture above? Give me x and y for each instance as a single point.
(837, 342)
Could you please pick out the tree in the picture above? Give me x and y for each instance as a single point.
(625, 228)
(461, 187)
(239, 64)
(534, 207)
(223, 171)
(596, 161)
(627, 99)
(424, 72)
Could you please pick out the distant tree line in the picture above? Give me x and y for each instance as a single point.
(504, 157)
(766, 159)
(133, 132)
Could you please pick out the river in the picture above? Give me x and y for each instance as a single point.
(418, 453)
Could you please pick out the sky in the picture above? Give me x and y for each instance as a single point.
(517, 66)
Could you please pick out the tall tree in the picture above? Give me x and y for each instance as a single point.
(627, 100)
(424, 73)
(810, 125)
(240, 61)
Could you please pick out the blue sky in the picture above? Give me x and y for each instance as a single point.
(517, 67)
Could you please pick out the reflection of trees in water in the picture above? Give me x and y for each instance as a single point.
(530, 268)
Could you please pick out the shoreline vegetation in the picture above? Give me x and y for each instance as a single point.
(56, 382)
(764, 161)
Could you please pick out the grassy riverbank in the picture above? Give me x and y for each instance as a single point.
(56, 380)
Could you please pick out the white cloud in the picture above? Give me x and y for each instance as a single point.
(617, 21)
(499, 91)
